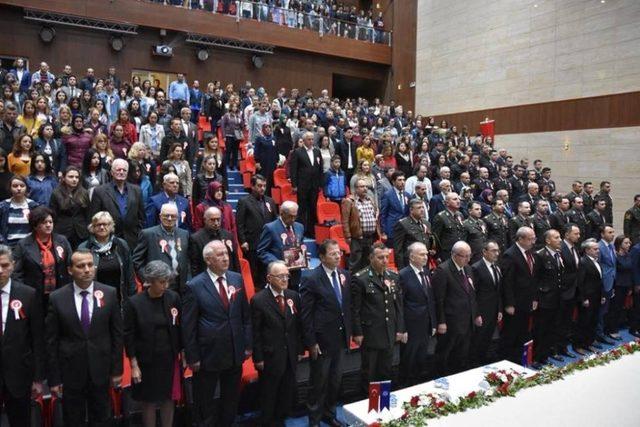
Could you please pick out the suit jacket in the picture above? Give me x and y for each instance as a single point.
(342, 149)
(579, 218)
(325, 321)
(558, 220)
(28, 267)
(139, 332)
(152, 210)
(75, 358)
(304, 175)
(251, 219)
(25, 81)
(271, 246)
(594, 222)
(488, 292)
(589, 282)
(540, 225)
(149, 249)
(405, 232)
(212, 335)
(436, 205)
(277, 336)
(419, 304)
(455, 305)
(516, 222)
(549, 279)
(199, 239)
(519, 287)
(391, 211)
(376, 308)
(608, 264)
(104, 199)
(22, 348)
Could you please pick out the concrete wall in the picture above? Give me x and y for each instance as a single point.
(588, 155)
(477, 54)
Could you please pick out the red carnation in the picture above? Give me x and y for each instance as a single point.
(414, 401)
(440, 403)
(471, 395)
(405, 415)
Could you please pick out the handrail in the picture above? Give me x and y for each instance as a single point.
(265, 12)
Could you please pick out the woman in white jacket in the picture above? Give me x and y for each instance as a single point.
(151, 135)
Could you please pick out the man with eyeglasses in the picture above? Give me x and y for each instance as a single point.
(277, 344)
(326, 316)
(212, 230)
(165, 242)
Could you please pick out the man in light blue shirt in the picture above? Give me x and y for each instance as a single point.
(110, 99)
(179, 94)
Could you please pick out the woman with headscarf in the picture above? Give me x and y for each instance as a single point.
(215, 197)
(486, 200)
(266, 155)
(77, 141)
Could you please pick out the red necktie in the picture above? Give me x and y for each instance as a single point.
(280, 301)
(530, 261)
(291, 236)
(223, 293)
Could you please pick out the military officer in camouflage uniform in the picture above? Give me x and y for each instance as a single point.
(447, 225)
(497, 225)
(632, 221)
(412, 228)
(475, 231)
(377, 314)
(523, 219)
(541, 222)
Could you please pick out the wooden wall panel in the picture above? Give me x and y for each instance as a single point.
(608, 111)
(403, 72)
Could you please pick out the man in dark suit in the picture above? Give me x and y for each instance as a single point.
(84, 344)
(448, 227)
(498, 225)
(378, 315)
(212, 219)
(191, 132)
(326, 317)
(416, 361)
(589, 298)
(280, 235)
(305, 171)
(169, 194)
(518, 293)
(123, 201)
(578, 216)
(216, 331)
(541, 222)
(596, 219)
(436, 204)
(277, 344)
(346, 149)
(522, 219)
(165, 242)
(549, 272)
(488, 285)
(604, 194)
(22, 351)
(571, 261)
(456, 309)
(560, 217)
(517, 183)
(409, 230)
(253, 212)
(475, 231)
(174, 135)
(394, 205)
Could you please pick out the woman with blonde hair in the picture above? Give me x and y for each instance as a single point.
(363, 171)
(102, 145)
(175, 156)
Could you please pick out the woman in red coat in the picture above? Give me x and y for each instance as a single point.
(77, 141)
(215, 197)
(129, 128)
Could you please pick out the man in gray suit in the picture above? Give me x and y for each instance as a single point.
(165, 242)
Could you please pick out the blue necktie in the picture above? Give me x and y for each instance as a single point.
(613, 252)
(336, 287)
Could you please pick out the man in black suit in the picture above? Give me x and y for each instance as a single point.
(518, 293)
(549, 272)
(571, 261)
(123, 201)
(541, 222)
(578, 216)
(522, 219)
(411, 229)
(346, 149)
(488, 284)
(252, 213)
(305, 171)
(326, 317)
(596, 218)
(589, 298)
(604, 194)
(416, 364)
(378, 316)
(277, 343)
(212, 219)
(84, 344)
(560, 217)
(456, 309)
(22, 350)
(165, 242)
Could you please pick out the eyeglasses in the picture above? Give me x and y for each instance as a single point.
(281, 276)
(169, 216)
(101, 225)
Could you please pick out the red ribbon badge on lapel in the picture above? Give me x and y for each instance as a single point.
(292, 306)
(174, 316)
(16, 306)
(99, 298)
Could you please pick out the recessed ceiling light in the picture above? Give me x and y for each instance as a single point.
(535, 5)
(603, 1)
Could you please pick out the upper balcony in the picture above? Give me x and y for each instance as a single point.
(244, 21)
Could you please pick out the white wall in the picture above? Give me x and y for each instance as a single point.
(477, 54)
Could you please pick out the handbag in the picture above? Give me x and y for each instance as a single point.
(238, 134)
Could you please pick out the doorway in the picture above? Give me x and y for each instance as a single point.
(157, 78)
(353, 87)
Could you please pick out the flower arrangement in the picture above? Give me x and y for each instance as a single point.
(498, 384)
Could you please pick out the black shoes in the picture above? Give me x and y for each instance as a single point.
(604, 340)
(567, 353)
(615, 337)
(557, 358)
(581, 351)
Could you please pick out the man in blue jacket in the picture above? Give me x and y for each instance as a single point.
(394, 205)
(608, 264)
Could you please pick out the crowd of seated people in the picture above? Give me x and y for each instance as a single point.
(112, 196)
(326, 16)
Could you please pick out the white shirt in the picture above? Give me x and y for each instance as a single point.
(489, 265)
(595, 262)
(524, 253)
(78, 299)
(418, 272)
(350, 159)
(328, 273)
(6, 296)
(276, 293)
(214, 278)
(576, 256)
(310, 154)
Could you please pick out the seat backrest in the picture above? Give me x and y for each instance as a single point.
(247, 278)
(328, 211)
(280, 177)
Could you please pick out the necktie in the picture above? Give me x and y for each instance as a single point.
(465, 282)
(575, 256)
(173, 254)
(495, 274)
(425, 281)
(3, 320)
(401, 198)
(280, 301)
(223, 293)
(558, 260)
(291, 236)
(336, 287)
(85, 317)
(530, 261)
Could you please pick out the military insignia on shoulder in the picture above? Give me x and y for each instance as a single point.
(627, 216)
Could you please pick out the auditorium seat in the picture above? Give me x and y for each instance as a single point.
(326, 212)
(337, 233)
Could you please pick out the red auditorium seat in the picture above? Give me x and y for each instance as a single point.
(326, 211)
(287, 193)
(337, 233)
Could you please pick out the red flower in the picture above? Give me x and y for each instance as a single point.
(405, 415)
(471, 395)
(504, 389)
(414, 401)
(440, 404)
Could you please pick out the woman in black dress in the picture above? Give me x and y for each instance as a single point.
(152, 343)
(70, 203)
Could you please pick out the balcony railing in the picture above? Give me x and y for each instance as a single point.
(266, 12)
